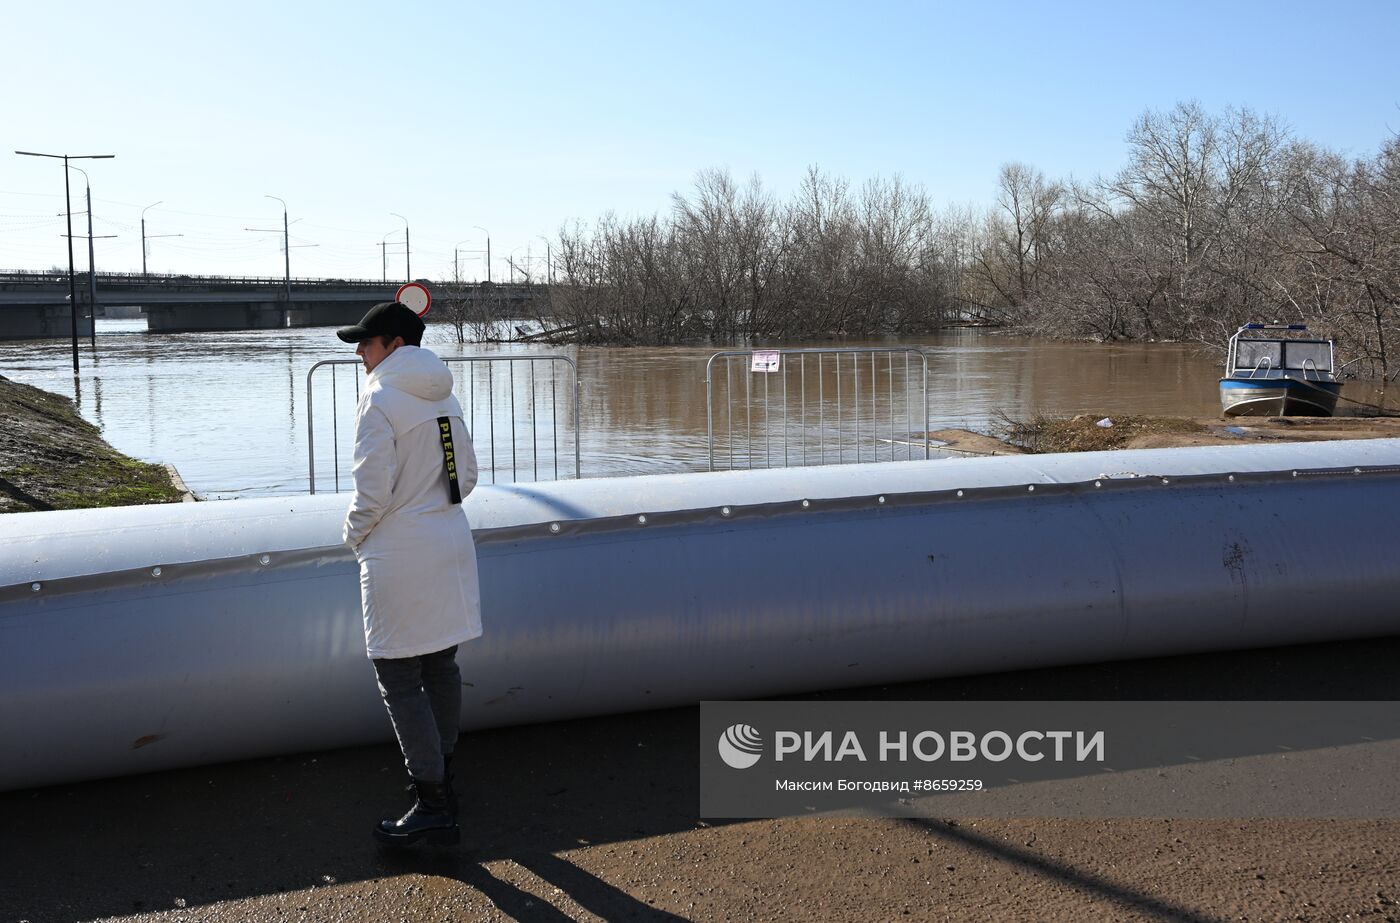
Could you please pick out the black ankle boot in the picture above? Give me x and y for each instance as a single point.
(450, 783)
(429, 819)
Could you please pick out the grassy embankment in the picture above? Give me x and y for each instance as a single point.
(53, 459)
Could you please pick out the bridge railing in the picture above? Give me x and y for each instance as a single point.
(138, 278)
(516, 408)
(788, 407)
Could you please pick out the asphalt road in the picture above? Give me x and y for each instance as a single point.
(598, 819)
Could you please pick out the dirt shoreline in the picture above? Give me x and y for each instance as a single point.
(1089, 432)
(598, 819)
(53, 459)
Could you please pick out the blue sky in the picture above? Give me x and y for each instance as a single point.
(521, 117)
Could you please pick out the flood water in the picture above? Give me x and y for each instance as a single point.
(229, 410)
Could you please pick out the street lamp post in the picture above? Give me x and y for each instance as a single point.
(68, 210)
(383, 258)
(548, 259)
(286, 247)
(510, 261)
(456, 270)
(92, 270)
(488, 250)
(144, 235)
(407, 249)
(92, 261)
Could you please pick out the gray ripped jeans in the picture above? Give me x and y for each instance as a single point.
(424, 698)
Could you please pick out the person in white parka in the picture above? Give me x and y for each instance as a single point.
(418, 582)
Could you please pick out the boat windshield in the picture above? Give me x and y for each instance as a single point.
(1259, 354)
(1305, 354)
(1283, 354)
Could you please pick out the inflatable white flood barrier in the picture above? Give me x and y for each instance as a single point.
(146, 638)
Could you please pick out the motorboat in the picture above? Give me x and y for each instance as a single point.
(1280, 375)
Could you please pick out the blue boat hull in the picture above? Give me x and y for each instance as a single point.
(1278, 397)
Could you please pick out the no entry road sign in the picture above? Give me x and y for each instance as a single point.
(414, 295)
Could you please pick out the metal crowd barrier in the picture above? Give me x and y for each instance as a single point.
(501, 407)
(817, 406)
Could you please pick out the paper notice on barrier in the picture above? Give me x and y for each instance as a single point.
(765, 360)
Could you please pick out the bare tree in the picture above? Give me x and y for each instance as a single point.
(1214, 220)
(472, 312)
(1016, 246)
(1344, 234)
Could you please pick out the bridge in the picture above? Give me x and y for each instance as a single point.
(34, 305)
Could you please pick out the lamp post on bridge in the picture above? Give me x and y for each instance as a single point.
(383, 258)
(548, 259)
(286, 247)
(143, 235)
(68, 209)
(488, 249)
(510, 261)
(524, 265)
(407, 249)
(456, 271)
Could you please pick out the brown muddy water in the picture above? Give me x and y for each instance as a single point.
(229, 410)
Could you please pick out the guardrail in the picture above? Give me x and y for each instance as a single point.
(492, 399)
(136, 278)
(853, 403)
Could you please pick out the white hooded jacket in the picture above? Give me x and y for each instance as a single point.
(418, 580)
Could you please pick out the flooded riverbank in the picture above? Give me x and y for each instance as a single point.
(229, 410)
(51, 458)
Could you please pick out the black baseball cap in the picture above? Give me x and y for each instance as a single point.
(388, 318)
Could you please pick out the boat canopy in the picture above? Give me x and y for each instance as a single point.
(1257, 354)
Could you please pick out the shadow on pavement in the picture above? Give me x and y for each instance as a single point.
(193, 837)
(1123, 896)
